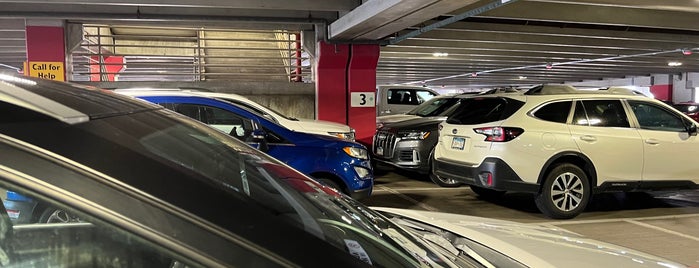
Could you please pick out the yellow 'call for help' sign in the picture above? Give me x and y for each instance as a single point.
(47, 70)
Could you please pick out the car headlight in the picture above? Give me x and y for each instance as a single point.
(343, 135)
(356, 152)
(413, 135)
(362, 172)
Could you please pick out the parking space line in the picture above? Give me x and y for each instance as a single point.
(408, 198)
(617, 219)
(657, 228)
(420, 189)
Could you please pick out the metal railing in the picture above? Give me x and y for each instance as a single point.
(128, 53)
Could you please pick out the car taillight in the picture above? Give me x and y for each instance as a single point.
(499, 134)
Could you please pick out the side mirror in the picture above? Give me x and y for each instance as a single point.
(692, 129)
(259, 137)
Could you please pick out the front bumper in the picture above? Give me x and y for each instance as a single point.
(404, 154)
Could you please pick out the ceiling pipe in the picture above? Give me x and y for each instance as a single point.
(551, 65)
(455, 18)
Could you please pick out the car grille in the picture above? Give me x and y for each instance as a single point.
(386, 141)
(407, 156)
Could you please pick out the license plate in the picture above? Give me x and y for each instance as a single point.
(379, 151)
(458, 143)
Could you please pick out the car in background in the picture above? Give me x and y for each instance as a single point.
(563, 145)
(691, 109)
(153, 188)
(408, 144)
(339, 163)
(398, 99)
(296, 124)
(433, 107)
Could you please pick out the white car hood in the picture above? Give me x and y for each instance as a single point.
(536, 245)
(317, 126)
(394, 118)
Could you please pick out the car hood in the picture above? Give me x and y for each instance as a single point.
(535, 245)
(417, 123)
(317, 126)
(387, 119)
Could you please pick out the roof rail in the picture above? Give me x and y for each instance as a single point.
(551, 90)
(623, 91)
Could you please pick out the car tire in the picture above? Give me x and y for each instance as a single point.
(332, 184)
(564, 193)
(441, 181)
(486, 193)
(53, 215)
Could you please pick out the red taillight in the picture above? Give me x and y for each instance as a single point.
(499, 134)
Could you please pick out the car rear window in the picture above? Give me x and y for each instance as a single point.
(474, 111)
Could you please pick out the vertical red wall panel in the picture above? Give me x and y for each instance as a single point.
(662, 92)
(45, 43)
(331, 77)
(362, 78)
(46, 52)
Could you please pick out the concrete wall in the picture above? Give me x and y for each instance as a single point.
(291, 99)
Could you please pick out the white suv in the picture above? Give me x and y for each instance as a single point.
(564, 145)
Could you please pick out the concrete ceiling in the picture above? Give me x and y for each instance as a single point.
(578, 40)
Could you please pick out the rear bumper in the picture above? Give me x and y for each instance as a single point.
(503, 177)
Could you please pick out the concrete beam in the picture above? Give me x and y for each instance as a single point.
(374, 20)
(325, 5)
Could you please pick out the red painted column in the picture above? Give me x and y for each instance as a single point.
(46, 52)
(331, 77)
(662, 92)
(361, 79)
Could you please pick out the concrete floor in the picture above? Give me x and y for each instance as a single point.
(663, 223)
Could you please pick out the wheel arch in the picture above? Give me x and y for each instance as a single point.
(575, 158)
(333, 177)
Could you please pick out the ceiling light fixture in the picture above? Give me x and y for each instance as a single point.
(674, 63)
(521, 77)
(440, 54)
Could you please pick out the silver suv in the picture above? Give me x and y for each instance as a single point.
(564, 145)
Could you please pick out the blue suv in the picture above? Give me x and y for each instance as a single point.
(338, 163)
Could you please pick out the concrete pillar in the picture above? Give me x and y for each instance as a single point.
(362, 87)
(346, 86)
(46, 51)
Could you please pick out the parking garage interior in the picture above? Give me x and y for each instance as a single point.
(306, 59)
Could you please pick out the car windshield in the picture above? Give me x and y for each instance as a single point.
(434, 107)
(267, 112)
(322, 211)
(156, 146)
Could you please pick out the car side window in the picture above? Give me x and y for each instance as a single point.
(554, 112)
(228, 122)
(69, 239)
(602, 113)
(654, 117)
(399, 96)
(423, 96)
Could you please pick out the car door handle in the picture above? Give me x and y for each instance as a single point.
(588, 138)
(652, 141)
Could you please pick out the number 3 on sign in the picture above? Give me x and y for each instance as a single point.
(362, 99)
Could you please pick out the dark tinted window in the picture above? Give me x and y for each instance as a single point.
(554, 112)
(483, 110)
(602, 113)
(434, 107)
(653, 117)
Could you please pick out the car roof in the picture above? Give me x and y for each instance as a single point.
(65, 102)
